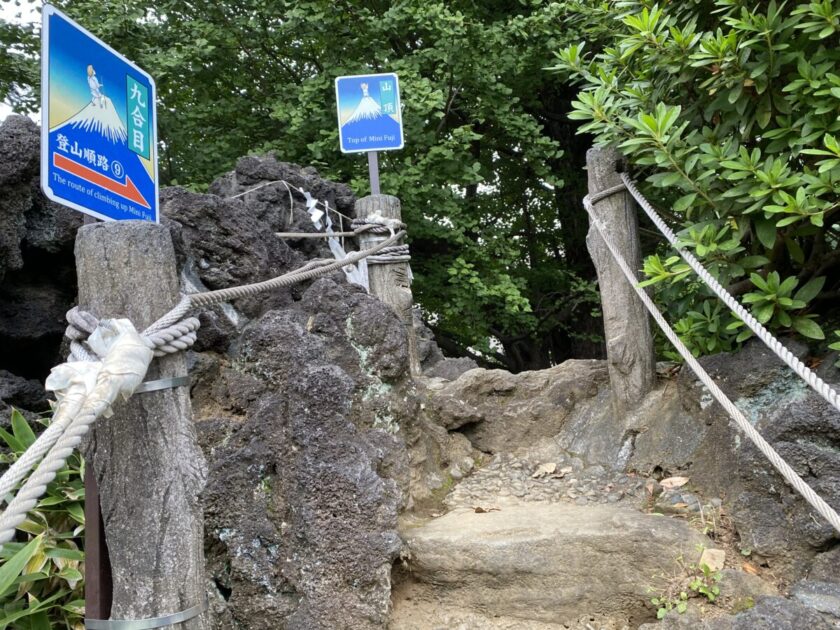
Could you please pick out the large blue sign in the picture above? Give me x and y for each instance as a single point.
(98, 126)
(369, 113)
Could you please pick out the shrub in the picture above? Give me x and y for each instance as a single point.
(41, 578)
(728, 111)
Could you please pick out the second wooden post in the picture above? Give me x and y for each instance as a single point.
(390, 282)
(630, 355)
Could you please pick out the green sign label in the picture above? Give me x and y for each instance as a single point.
(137, 99)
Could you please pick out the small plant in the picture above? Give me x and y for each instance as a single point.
(664, 605)
(706, 583)
(41, 573)
(689, 581)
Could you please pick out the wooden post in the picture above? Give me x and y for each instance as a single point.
(148, 466)
(630, 355)
(389, 282)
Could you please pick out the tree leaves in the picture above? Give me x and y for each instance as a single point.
(753, 144)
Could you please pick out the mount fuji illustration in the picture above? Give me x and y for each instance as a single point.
(367, 108)
(91, 148)
(102, 118)
(368, 121)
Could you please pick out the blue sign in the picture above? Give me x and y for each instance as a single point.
(369, 113)
(98, 125)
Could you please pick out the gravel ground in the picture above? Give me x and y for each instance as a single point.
(507, 478)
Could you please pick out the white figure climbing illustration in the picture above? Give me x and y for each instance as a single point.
(97, 98)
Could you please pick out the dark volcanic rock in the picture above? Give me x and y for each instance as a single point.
(37, 272)
(22, 393)
(306, 475)
(19, 138)
(769, 613)
(778, 613)
(772, 519)
(272, 190)
(821, 596)
(222, 244)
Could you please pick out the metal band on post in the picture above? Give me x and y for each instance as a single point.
(162, 383)
(146, 624)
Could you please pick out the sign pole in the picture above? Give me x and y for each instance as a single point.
(373, 170)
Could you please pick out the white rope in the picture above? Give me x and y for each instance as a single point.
(17, 471)
(790, 475)
(289, 187)
(820, 386)
(125, 359)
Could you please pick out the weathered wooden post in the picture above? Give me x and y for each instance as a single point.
(390, 282)
(630, 355)
(149, 468)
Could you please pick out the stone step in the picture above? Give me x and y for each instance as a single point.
(532, 564)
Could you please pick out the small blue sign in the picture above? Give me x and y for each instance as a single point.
(369, 113)
(98, 125)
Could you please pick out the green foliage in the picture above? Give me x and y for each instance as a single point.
(775, 302)
(705, 583)
(664, 605)
(836, 345)
(497, 243)
(41, 578)
(729, 111)
(688, 581)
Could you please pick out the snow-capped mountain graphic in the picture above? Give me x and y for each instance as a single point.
(102, 119)
(97, 169)
(367, 109)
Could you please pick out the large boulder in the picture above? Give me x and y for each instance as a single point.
(37, 274)
(303, 424)
(500, 411)
(773, 520)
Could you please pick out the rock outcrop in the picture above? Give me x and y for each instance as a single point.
(37, 272)
(499, 411)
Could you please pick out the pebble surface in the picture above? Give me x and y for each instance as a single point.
(507, 478)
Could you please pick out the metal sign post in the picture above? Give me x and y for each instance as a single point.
(98, 126)
(373, 171)
(369, 118)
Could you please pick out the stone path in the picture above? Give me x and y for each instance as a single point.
(536, 563)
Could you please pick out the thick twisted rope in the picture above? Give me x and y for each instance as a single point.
(61, 420)
(389, 255)
(805, 373)
(313, 270)
(172, 333)
(790, 475)
(165, 338)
